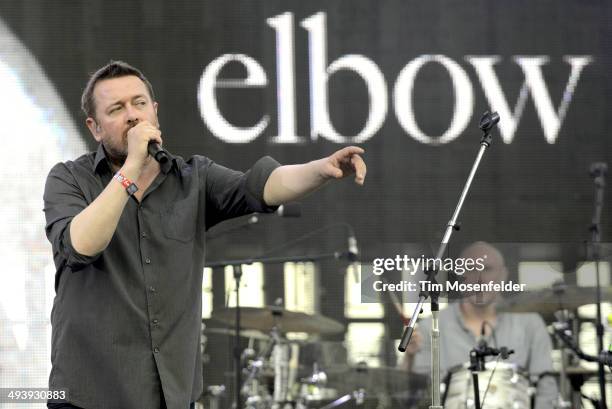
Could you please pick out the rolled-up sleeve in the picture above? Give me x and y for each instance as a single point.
(63, 199)
(231, 193)
(257, 178)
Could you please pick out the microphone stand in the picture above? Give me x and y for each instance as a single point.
(598, 173)
(477, 364)
(237, 268)
(487, 123)
(562, 332)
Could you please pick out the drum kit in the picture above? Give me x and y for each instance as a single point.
(285, 373)
(282, 373)
(503, 385)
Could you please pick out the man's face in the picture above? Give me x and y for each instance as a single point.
(120, 103)
(494, 270)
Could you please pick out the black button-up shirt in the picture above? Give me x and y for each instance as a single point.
(126, 322)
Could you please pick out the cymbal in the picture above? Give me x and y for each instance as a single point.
(377, 372)
(579, 370)
(375, 380)
(573, 371)
(263, 319)
(549, 300)
(245, 333)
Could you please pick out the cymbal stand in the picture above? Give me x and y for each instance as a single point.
(564, 400)
(254, 367)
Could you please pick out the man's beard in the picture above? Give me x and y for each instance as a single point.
(116, 156)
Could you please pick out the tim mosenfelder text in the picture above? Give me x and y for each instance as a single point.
(448, 286)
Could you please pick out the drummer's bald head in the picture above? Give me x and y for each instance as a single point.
(492, 258)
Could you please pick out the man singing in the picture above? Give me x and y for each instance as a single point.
(128, 239)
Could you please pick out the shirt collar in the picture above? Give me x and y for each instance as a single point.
(100, 158)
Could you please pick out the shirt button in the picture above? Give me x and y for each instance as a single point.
(147, 260)
(144, 235)
(152, 289)
(155, 321)
(156, 350)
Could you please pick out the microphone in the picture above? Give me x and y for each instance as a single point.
(158, 153)
(481, 341)
(488, 120)
(155, 150)
(598, 171)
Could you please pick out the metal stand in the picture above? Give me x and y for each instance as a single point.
(254, 368)
(477, 364)
(565, 398)
(487, 122)
(598, 172)
(476, 385)
(563, 332)
(237, 268)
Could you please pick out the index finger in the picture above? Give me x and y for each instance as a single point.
(360, 168)
(350, 150)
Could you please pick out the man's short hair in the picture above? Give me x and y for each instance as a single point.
(113, 69)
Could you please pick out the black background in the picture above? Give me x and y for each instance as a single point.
(528, 190)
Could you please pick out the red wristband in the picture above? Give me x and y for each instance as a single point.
(129, 186)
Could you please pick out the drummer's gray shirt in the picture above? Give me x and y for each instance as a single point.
(126, 322)
(526, 334)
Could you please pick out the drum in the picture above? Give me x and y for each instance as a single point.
(508, 387)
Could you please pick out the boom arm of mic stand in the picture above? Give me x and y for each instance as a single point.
(487, 123)
(571, 344)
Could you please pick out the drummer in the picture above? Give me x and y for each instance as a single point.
(462, 323)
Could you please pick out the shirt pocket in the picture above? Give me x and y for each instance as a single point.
(179, 220)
